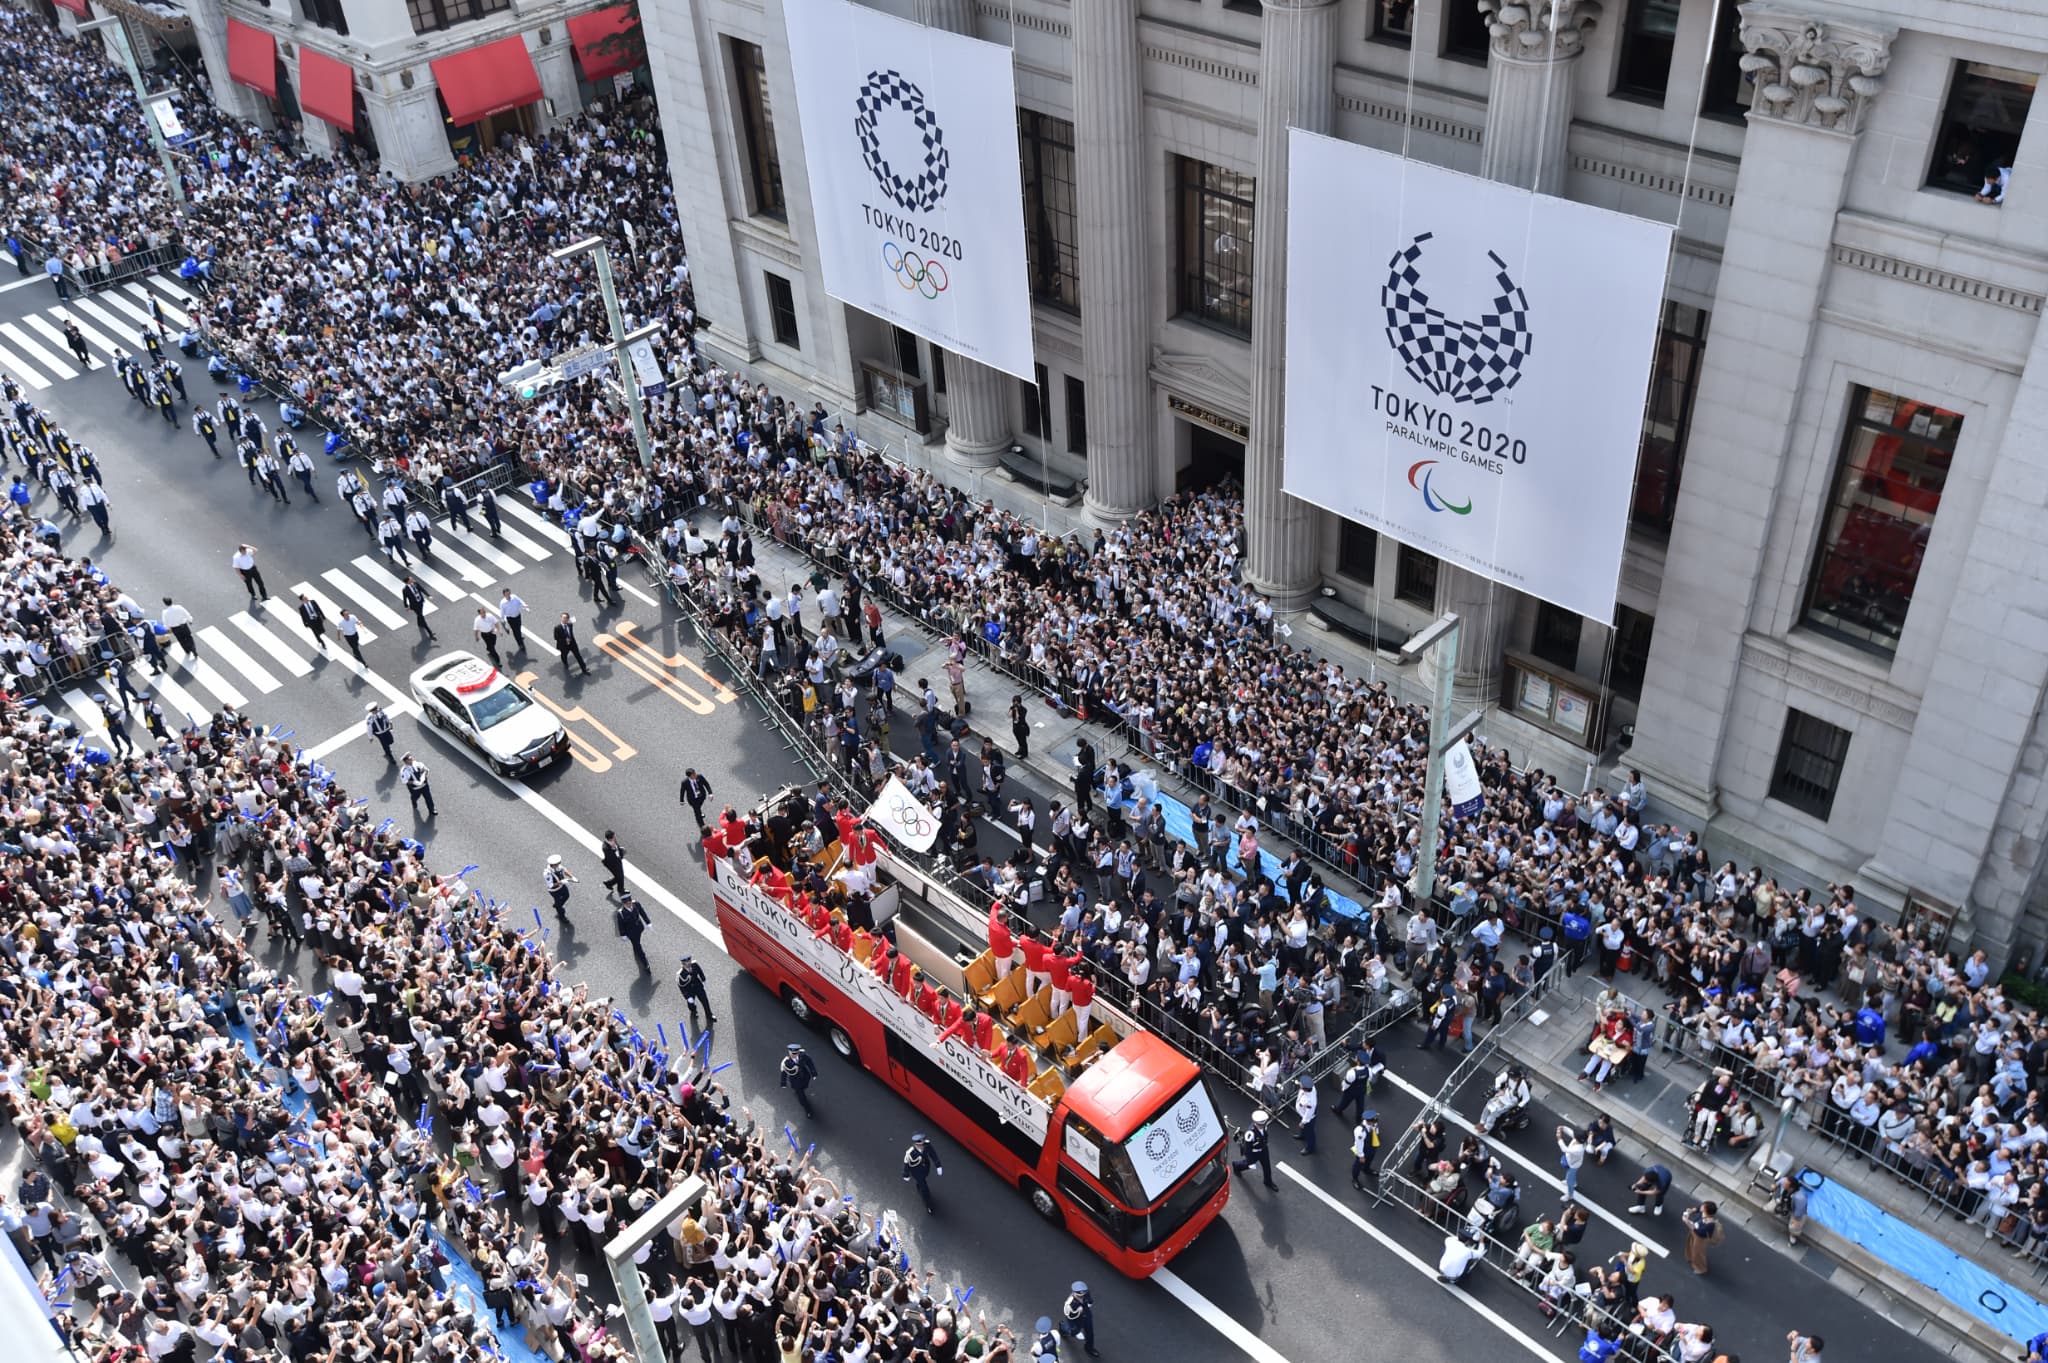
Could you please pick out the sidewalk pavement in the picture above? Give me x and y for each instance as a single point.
(1650, 1116)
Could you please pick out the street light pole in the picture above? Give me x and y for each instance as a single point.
(156, 134)
(595, 247)
(1441, 639)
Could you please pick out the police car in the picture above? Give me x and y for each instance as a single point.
(465, 696)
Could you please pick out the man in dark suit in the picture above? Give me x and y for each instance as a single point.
(565, 643)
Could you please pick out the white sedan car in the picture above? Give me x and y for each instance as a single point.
(463, 695)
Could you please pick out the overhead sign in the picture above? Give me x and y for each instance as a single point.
(1467, 364)
(1461, 781)
(575, 364)
(904, 817)
(910, 134)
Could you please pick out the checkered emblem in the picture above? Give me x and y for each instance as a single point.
(1472, 361)
(919, 193)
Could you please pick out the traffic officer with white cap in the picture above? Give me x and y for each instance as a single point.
(1077, 1317)
(1252, 1142)
(557, 879)
(379, 725)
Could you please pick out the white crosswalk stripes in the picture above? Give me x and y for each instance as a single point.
(181, 701)
(232, 653)
(209, 677)
(448, 590)
(482, 547)
(89, 717)
(56, 335)
(378, 574)
(536, 552)
(470, 572)
(286, 656)
(365, 601)
(534, 521)
(333, 611)
(35, 351)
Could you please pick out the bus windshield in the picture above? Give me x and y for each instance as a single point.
(1158, 1153)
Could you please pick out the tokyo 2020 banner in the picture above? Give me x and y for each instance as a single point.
(911, 137)
(1467, 364)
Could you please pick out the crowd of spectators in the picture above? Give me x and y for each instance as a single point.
(388, 309)
(225, 1164)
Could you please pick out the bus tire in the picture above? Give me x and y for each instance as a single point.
(799, 1006)
(1042, 1202)
(842, 1042)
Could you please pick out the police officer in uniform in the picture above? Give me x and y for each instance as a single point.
(487, 502)
(1077, 1317)
(1357, 1086)
(690, 980)
(1252, 1142)
(556, 880)
(1365, 1152)
(920, 1162)
(379, 725)
(457, 507)
(797, 1072)
(414, 774)
(114, 723)
(1045, 1342)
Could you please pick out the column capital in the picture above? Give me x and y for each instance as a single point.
(1522, 30)
(1811, 72)
(1284, 5)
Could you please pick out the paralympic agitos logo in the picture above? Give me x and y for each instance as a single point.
(1469, 362)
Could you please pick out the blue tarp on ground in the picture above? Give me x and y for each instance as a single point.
(1180, 825)
(1924, 1259)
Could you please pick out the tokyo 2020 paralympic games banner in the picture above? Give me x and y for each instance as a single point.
(1467, 365)
(911, 136)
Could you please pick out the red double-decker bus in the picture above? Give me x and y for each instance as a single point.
(1113, 1134)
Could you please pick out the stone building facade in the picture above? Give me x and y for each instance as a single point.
(1832, 629)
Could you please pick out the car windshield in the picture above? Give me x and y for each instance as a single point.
(497, 707)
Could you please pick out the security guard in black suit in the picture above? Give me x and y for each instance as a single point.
(920, 1162)
(690, 979)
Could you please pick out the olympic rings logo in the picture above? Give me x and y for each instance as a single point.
(911, 817)
(913, 271)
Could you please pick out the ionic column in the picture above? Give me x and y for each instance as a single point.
(1535, 45)
(1297, 49)
(977, 396)
(1116, 308)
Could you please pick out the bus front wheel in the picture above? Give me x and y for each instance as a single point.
(799, 1006)
(1042, 1203)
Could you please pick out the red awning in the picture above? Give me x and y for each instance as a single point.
(327, 88)
(252, 57)
(77, 7)
(588, 31)
(487, 80)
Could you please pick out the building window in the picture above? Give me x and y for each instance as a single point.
(1629, 661)
(431, 16)
(1557, 636)
(1646, 43)
(782, 309)
(906, 352)
(1077, 416)
(1358, 550)
(1980, 129)
(757, 131)
(1727, 93)
(1415, 577)
(1465, 35)
(1051, 240)
(1215, 244)
(1681, 345)
(328, 14)
(1034, 405)
(1245, 6)
(938, 371)
(1894, 462)
(1393, 21)
(1810, 758)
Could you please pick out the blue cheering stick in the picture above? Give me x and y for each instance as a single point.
(662, 1032)
(473, 866)
(790, 1132)
(726, 1066)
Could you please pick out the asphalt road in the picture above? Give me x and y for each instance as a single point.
(1290, 1276)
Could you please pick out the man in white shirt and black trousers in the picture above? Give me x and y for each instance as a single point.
(178, 621)
(414, 774)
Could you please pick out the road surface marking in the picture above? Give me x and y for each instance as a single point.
(378, 574)
(89, 713)
(118, 326)
(333, 615)
(483, 548)
(261, 636)
(22, 369)
(91, 333)
(35, 348)
(436, 581)
(534, 521)
(365, 599)
(181, 700)
(1634, 1230)
(58, 338)
(1428, 1270)
(171, 311)
(470, 572)
(141, 315)
(259, 676)
(1216, 1318)
(208, 676)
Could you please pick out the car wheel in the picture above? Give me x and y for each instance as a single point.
(843, 1043)
(799, 1006)
(1042, 1203)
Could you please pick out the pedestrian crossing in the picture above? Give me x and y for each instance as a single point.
(256, 651)
(34, 350)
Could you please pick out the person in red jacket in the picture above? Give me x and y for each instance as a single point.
(1035, 952)
(961, 1025)
(927, 998)
(878, 960)
(1061, 967)
(984, 1031)
(906, 975)
(1018, 1063)
(1002, 943)
(1083, 987)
